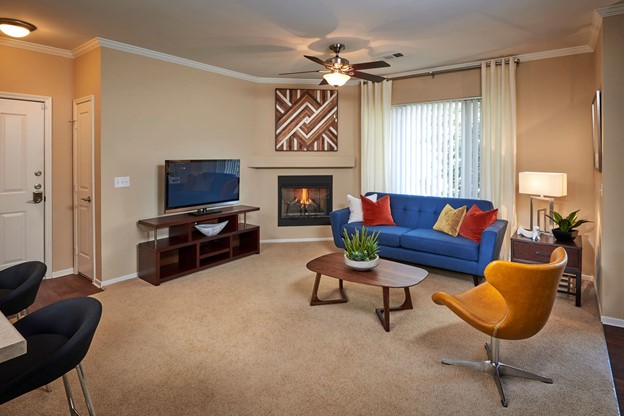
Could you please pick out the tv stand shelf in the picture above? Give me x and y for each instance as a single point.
(186, 250)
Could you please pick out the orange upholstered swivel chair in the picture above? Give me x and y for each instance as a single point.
(514, 303)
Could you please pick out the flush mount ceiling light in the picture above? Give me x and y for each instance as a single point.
(16, 28)
(336, 78)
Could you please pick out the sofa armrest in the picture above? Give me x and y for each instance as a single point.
(337, 219)
(491, 243)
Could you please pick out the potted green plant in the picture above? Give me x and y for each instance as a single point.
(361, 249)
(566, 225)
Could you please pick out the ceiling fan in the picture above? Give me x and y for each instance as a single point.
(338, 70)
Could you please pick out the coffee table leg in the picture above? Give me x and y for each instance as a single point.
(384, 313)
(314, 300)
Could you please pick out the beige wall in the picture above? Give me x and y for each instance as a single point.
(597, 178)
(612, 247)
(461, 84)
(153, 110)
(554, 135)
(29, 72)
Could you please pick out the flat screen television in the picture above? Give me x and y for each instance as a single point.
(201, 184)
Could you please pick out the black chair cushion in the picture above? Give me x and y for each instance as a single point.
(4, 293)
(22, 281)
(58, 337)
(40, 347)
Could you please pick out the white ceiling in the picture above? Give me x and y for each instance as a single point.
(265, 37)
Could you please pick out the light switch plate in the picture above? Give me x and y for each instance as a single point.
(122, 182)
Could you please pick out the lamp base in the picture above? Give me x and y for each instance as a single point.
(541, 213)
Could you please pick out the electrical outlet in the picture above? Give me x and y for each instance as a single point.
(122, 182)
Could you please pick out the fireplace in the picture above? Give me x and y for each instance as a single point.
(304, 200)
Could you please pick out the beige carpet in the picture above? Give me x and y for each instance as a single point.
(241, 339)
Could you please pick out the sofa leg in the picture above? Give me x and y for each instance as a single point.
(476, 279)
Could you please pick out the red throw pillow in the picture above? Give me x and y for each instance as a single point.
(476, 221)
(377, 213)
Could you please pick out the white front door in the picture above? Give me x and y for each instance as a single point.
(22, 181)
(83, 187)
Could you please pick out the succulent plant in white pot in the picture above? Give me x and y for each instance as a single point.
(361, 249)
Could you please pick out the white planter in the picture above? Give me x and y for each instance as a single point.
(210, 230)
(361, 266)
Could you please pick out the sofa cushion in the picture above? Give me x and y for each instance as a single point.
(355, 207)
(450, 220)
(432, 241)
(377, 213)
(389, 235)
(476, 221)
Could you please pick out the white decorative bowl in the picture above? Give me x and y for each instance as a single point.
(210, 230)
(361, 266)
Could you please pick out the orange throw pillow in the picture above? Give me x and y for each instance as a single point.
(476, 221)
(377, 213)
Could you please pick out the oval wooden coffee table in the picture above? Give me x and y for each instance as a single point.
(387, 274)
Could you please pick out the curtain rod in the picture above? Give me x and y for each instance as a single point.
(433, 72)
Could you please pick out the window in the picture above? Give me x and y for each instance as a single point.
(435, 148)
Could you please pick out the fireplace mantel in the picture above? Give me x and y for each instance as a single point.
(307, 162)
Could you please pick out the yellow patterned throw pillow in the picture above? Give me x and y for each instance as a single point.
(450, 220)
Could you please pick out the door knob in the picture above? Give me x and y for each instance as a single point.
(87, 199)
(37, 198)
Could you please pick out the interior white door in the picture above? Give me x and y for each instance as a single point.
(83, 186)
(22, 180)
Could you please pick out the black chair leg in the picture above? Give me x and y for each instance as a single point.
(476, 279)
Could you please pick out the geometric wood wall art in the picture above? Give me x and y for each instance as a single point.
(306, 120)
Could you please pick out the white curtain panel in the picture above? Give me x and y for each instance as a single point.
(434, 149)
(376, 126)
(498, 144)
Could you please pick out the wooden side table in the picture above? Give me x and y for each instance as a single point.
(525, 250)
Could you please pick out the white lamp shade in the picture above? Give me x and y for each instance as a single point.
(337, 79)
(543, 183)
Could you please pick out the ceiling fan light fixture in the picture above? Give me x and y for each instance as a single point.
(336, 79)
(16, 28)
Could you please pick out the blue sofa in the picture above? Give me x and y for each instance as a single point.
(414, 240)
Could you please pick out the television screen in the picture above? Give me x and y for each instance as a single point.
(191, 184)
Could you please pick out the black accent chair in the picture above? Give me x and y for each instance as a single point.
(19, 285)
(58, 337)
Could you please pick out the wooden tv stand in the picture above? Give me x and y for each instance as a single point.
(186, 250)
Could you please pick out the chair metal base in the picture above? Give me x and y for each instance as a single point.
(85, 392)
(496, 369)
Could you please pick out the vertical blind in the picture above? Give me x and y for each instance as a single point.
(434, 148)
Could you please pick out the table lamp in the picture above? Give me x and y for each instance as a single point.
(543, 186)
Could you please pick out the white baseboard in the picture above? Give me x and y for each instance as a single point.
(606, 320)
(296, 240)
(119, 279)
(60, 273)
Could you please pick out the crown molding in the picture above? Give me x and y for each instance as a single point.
(595, 29)
(86, 47)
(35, 47)
(613, 10)
(111, 44)
(575, 50)
(123, 47)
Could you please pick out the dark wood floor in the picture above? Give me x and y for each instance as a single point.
(53, 290)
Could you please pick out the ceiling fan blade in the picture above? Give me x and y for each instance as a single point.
(368, 77)
(315, 59)
(370, 65)
(300, 72)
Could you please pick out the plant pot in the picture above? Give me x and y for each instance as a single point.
(361, 266)
(566, 237)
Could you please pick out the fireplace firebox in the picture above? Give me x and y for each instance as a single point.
(304, 200)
